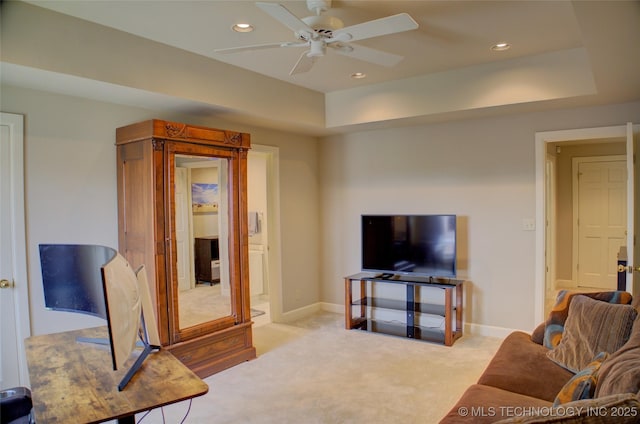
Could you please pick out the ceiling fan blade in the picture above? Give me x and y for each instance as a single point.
(304, 64)
(288, 19)
(260, 47)
(368, 54)
(383, 26)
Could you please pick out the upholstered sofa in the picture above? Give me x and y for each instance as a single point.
(581, 365)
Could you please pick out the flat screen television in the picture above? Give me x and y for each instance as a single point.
(420, 245)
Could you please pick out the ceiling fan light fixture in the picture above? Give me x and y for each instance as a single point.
(242, 27)
(317, 48)
(500, 47)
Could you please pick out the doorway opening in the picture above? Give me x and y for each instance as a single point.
(264, 230)
(556, 258)
(586, 214)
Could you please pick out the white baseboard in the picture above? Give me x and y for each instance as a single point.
(565, 284)
(332, 307)
(300, 313)
(489, 330)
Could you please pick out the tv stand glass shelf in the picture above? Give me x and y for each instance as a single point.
(375, 301)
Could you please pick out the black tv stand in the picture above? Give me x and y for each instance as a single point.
(368, 307)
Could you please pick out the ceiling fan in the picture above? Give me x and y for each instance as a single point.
(321, 31)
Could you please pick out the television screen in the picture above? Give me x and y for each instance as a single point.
(423, 245)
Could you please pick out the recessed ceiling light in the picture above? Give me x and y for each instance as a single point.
(358, 75)
(500, 47)
(242, 28)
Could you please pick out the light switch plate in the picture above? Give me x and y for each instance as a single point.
(528, 224)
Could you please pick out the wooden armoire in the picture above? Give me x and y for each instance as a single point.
(177, 183)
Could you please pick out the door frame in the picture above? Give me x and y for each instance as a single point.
(274, 250)
(541, 140)
(551, 165)
(19, 245)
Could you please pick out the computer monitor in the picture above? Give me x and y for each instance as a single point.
(71, 277)
(98, 281)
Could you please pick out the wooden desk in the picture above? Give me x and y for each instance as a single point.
(74, 382)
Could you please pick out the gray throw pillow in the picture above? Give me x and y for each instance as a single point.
(592, 327)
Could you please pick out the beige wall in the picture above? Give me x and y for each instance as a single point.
(482, 170)
(70, 184)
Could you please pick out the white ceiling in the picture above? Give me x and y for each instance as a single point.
(453, 40)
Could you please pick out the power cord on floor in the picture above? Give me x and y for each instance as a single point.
(162, 412)
(188, 410)
(148, 412)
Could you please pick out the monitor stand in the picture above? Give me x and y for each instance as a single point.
(147, 348)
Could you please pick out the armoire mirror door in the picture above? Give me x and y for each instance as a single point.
(202, 289)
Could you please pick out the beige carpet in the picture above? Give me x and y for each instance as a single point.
(315, 371)
(201, 304)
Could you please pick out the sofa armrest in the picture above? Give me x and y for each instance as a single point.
(538, 334)
(522, 366)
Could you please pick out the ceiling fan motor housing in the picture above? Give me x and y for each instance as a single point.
(323, 24)
(318, 6)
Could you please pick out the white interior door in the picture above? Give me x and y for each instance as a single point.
(600, 206)
(14, 292)
(182, 229)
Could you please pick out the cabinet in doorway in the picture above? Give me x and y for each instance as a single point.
(176, 180)
(207, 260)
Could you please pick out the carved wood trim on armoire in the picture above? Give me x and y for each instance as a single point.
(152, 156)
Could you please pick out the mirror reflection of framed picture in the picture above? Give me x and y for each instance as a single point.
(204, 197)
